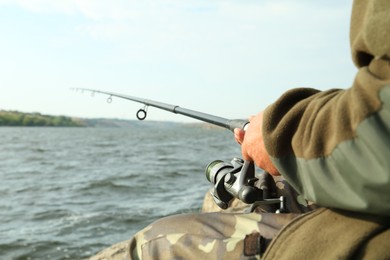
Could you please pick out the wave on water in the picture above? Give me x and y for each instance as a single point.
(67, 193)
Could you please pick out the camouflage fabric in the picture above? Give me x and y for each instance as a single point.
(215, 233)
(226, 234)
(208, 236)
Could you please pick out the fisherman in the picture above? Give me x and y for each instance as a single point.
(332, 147)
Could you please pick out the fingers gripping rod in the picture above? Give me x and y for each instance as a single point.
(229, 124)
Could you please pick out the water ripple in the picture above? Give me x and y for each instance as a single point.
(69, 192)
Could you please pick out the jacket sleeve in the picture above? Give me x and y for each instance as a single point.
(334, 146)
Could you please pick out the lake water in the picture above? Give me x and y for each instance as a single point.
(67, 193)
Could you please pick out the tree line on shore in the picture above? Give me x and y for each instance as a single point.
(15, 118)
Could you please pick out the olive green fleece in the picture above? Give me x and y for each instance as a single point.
(338, 235)
(369, 34)
(356, 175)
(324, 143)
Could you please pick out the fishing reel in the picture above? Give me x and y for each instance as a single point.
(237, 180)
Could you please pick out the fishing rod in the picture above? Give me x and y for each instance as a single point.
(231, 180)
(141, 114)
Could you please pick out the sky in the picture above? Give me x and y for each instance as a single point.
(227, 58)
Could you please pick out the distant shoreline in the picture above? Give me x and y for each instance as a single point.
(22, 119)
(16, 118)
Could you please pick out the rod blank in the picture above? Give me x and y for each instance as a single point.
(229, 124)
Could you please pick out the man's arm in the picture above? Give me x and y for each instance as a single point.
(334, 146)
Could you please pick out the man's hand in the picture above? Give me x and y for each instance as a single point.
(252, 144)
